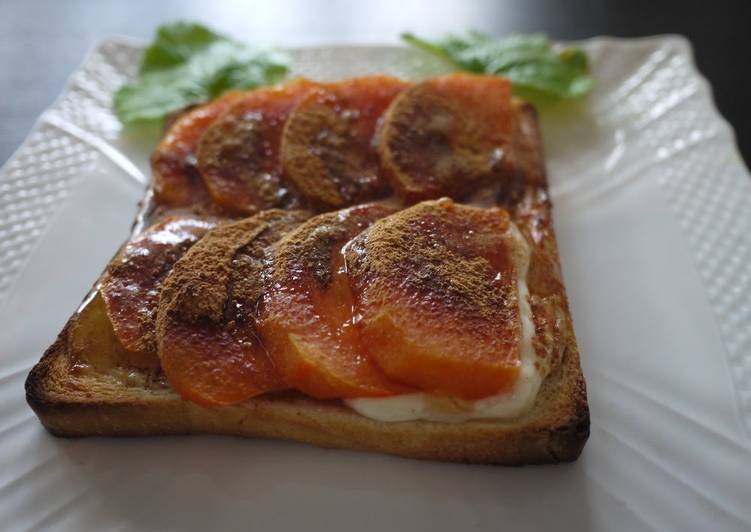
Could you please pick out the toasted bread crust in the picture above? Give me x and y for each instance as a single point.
(554, 431)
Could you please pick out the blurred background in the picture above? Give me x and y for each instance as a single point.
(41, 42)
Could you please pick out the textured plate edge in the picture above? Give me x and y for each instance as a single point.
(734, 354)
(48, 120)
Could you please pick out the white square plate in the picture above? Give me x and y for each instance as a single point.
(653, 214)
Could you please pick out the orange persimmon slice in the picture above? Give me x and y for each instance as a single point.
(306, 321)
(206, 323)
(176, 180)
(445, 134)
(327, 145)
(130, 287)
(436, 288)
(238, 155)
(213, 364)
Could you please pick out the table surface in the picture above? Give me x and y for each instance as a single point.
(41, 42)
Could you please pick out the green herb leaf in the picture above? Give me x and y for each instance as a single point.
(188, 63)
(535, 66)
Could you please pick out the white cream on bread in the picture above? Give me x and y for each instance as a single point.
(429, 407)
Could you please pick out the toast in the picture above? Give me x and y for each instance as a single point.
(87, 384)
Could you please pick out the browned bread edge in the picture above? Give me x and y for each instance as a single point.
(554, 431)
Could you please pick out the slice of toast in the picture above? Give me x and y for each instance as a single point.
(85, 385)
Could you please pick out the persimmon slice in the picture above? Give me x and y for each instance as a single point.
(436, 288)
(445, 134)
(130, 287)
(206, 324)
(327, 144)
(175, 177)
(307, 323)
(238, 155)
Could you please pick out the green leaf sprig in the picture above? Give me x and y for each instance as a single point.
(536, 67)
(188, 63)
